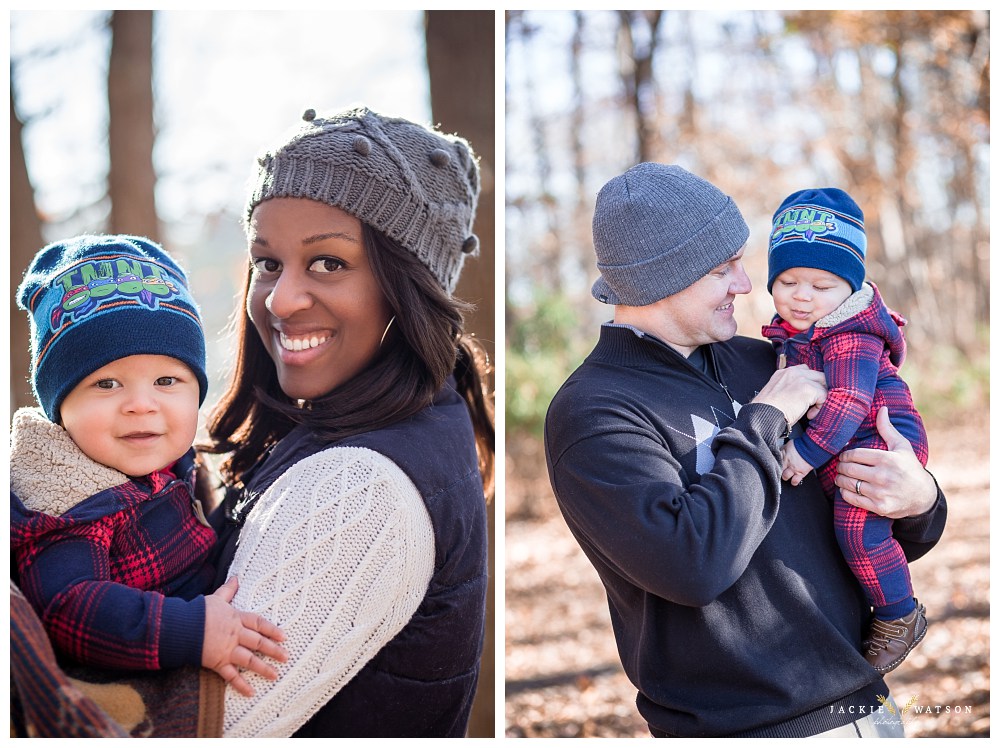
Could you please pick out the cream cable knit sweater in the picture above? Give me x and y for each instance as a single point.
(339, 552)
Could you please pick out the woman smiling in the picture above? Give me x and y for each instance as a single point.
(359, 434)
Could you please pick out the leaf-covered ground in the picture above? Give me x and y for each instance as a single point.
(563, 675)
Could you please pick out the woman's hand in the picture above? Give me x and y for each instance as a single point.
(794, 391)
(232, 637)
(890, 482)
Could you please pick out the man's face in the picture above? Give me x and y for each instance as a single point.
(701, 313)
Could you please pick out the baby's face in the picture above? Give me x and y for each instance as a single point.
(137, 414)
(804, 295)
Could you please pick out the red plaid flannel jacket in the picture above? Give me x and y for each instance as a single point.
(860, 355)
(117, 580)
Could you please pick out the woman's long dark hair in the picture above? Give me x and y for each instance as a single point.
(424, 345)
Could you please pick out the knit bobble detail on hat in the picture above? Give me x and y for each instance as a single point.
(439, 157)
(362, 145)
(414, 184)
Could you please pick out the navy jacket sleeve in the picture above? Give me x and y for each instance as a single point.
(65, 572)
(917, 535)
(686, 544)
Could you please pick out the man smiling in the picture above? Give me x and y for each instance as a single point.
(733, 610)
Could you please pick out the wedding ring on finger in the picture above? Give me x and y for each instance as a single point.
(857, 488)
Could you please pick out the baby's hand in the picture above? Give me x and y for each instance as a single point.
(793, 468)
(232, 638)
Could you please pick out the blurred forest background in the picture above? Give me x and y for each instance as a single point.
(891, 106)
(149, 123)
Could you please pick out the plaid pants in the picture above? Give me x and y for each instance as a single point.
(872, 554)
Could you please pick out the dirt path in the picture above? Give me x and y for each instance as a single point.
(563, 675)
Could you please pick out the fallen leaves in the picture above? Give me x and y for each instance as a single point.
(564, 678)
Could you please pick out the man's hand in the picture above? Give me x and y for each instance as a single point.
(892, 482)
(793, 468)
(232, 637)
(794, 391)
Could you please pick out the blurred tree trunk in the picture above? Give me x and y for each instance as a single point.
(131, 134)
(687, 125)
(460, 61)
(25, 241)
(920, 106)
(639, 31)
(916, 245)
(581, 216)
(548, 247)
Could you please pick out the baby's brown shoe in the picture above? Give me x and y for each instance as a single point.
(889, 642)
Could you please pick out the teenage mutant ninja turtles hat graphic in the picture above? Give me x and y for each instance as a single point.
(818, 228)
(94, 299)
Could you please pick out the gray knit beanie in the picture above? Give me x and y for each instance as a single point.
(658, 229)
(412, 183)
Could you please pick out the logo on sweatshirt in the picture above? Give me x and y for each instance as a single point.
(703, 434)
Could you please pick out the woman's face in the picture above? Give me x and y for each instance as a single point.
(313, 297)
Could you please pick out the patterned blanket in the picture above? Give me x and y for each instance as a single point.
(50, 698)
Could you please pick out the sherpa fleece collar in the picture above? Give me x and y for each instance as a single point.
(48, 472)
(856, 302)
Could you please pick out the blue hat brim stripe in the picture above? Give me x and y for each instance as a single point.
(137, 331)
(852, 248)
(825, 239)
(850, 233)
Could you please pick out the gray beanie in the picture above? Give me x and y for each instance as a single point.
(412, 183)
(658, 229)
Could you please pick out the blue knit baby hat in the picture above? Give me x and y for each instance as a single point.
(818, 228)
(94, 299)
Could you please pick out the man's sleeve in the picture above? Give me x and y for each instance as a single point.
(917, 535)
(684, 538)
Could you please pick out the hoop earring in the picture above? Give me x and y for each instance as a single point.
(386, 330)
